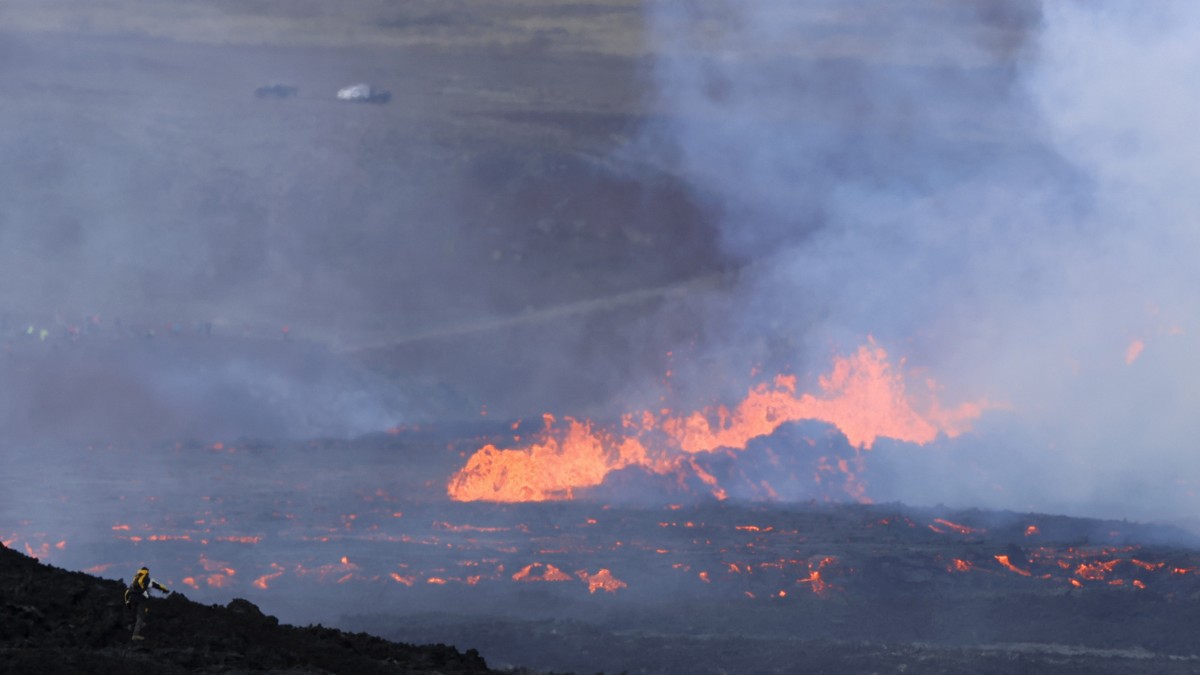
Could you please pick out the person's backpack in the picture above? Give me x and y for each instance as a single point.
(135, 587)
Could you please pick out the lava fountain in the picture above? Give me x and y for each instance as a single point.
(863, 396)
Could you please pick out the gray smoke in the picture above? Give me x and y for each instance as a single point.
(999, 194)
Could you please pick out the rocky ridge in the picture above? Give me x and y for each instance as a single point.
(57, 621)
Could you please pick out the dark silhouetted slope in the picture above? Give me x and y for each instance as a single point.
(56, 621)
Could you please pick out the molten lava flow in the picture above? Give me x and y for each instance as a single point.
(1096, 571)
(1006, 563)
(863, 396)
(263, 582)
(947, 525)
(817, 582)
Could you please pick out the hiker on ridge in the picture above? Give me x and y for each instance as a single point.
(137, 598)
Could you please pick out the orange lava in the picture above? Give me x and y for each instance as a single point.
(960, 529)
(263, 582)
(863, 396)
(816, 582)
(1005, 562)
(540, 572)
(960, 566)
(217, 580)
(601, 581)
(1095, 571)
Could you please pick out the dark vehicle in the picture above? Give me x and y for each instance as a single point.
(276, 91)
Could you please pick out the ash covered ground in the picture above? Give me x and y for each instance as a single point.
(252, 332)
(331, 532)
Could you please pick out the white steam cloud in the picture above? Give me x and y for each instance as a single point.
(1005, 196)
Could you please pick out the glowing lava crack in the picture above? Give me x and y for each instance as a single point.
(863, 396)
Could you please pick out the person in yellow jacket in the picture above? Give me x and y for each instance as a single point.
(137, 597)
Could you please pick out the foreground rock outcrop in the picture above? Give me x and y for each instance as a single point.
(57, 621)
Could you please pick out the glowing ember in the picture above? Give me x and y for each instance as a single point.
(816, 582)
(601, 581)
(240, 540)
(217, 580)
(960, 566)
(540, 572)
(863, 396)
(1096, 571)
(1134, 351)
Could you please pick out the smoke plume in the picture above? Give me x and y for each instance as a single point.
(1000, 195)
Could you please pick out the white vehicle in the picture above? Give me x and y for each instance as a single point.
(363, 93)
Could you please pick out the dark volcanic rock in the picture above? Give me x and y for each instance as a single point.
(56, 621)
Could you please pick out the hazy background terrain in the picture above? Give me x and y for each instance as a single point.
(476, 216)
(564, 201)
